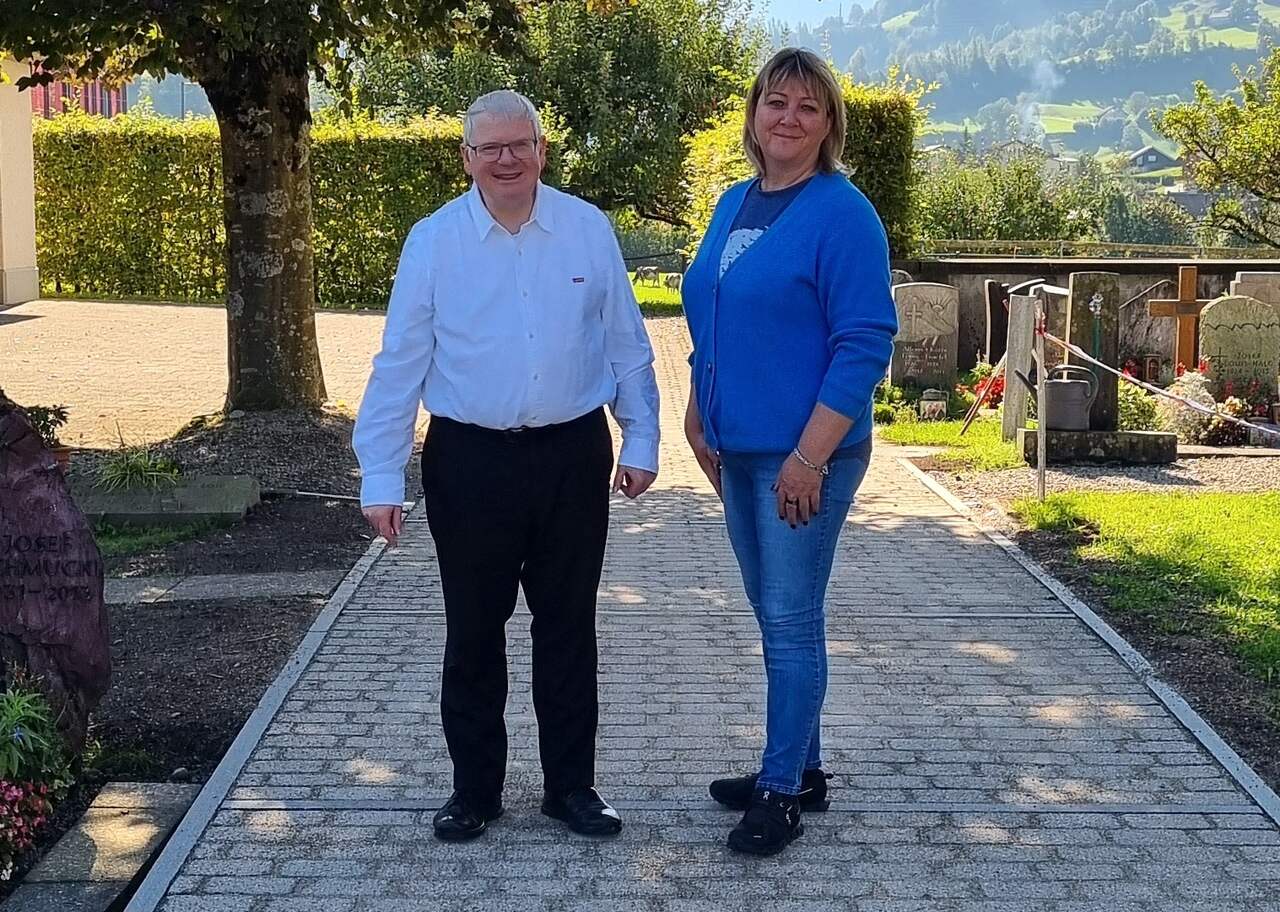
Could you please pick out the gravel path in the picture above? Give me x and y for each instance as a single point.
(991, 492)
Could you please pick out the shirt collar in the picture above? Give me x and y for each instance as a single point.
(485, 222)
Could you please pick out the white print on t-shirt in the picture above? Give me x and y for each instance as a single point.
(738, 241)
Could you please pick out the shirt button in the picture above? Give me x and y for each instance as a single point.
(524, 294)
(530, 335)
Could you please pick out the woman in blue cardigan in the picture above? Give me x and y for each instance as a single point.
(792, 320)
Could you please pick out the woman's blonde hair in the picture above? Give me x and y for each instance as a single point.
(809, 69)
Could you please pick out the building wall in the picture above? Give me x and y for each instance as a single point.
(19, 279)
(93, 98)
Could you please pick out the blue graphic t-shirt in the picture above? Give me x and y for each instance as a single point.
(760, 209)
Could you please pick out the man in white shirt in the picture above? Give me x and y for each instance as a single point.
(513, 321)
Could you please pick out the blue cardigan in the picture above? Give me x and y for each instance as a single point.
(804, 315)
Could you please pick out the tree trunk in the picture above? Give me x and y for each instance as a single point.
(264, 121)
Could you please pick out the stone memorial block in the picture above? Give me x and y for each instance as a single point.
(899, 277)
(1265, 286)
(1240, 338)
(925, 351)
(1093, 324)
(53, 620)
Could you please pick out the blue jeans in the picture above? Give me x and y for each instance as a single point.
(785, 573)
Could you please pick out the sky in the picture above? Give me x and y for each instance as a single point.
(811, 11)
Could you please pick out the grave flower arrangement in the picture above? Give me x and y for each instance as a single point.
(34, 771)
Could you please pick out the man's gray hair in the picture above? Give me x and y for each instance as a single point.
(505, 104)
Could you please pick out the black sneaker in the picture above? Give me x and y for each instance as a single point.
(465, 816)
(736, 793)
(771, 823)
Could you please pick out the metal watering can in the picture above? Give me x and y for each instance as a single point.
(1067, 401)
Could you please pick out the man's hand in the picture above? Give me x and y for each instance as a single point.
(386, 521)
(632, 482)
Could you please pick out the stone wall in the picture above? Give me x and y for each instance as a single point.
(1139, 333)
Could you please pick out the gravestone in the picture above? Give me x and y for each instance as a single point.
(997, 325)
(1240, 338)
(925, 351)
(899, 277)
(996, 337)
(53, 620)
(1020, 354)
(1093, 324)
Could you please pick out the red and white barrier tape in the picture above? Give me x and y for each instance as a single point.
(1194, 406)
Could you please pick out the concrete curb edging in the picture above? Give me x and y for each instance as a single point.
(175, 852)
(1232, 762)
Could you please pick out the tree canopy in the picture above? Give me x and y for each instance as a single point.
(623, 86)
(1232, 144)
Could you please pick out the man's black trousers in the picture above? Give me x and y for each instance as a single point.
(527, 508)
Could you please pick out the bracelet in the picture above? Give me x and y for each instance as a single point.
(820, 469)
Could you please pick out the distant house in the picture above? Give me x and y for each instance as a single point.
(1196, 202)
(91, 97)
(1065, 165)
(1149, 158)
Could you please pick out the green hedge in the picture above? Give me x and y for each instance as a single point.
(132, 207)
(879, 151)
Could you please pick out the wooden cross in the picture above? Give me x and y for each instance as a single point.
(1187, 309)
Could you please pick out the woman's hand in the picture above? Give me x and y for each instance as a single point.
(799, 490)
(708, 459)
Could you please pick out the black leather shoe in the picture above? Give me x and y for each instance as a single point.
(584, 811)
(465, 816)
(736, 793)
(771, 823)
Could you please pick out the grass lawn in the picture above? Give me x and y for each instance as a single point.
(658, 301)
(1062, 118)
(900, 22)
(1200, 564)
(122, 541)
(980, 448)
(1270, 12)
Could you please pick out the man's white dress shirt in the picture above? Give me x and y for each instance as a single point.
(507, 331)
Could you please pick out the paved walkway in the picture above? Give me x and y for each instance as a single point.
(992, 751)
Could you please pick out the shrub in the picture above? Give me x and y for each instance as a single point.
(132, 206)
(31, 748)
(1138, 410)
(45, 421)
(884, 413)
(1190, 426)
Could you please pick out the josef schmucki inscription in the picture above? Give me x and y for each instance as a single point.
(52, 565)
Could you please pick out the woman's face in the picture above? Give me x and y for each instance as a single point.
(790, 125)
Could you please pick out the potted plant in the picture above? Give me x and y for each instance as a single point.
(45, 421)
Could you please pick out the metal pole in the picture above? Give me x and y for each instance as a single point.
(1042, 434)
(182, 94)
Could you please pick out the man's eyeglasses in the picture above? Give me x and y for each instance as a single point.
(521, 150)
